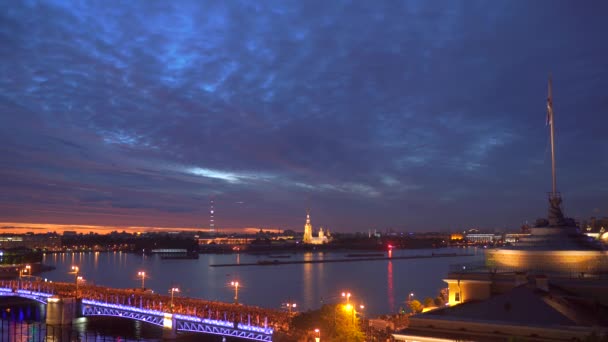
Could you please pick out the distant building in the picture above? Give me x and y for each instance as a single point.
(308, 237)
(49, 242)
(481, 238)
(515, 237)
(456, 237)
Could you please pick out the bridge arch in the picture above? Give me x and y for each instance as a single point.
(40, 297)
(91, 308)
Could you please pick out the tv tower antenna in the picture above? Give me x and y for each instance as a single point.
(212, 216)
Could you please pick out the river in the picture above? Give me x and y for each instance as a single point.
(381, 285)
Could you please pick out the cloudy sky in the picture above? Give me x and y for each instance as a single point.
(413, 115)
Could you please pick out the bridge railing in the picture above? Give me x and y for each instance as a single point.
(248, 318)
(228, 324)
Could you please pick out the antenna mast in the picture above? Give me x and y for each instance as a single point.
(211, 217)
(551, 122)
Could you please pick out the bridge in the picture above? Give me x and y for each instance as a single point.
(65, 302)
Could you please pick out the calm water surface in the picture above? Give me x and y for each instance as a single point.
(382, 285)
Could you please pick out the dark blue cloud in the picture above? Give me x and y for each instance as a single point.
(417, 114)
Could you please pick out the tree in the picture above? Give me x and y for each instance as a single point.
(415, 306)
(429, 302)
(338, 322)
(439, 301)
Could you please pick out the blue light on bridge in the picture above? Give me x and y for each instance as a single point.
(224, 323)
(123, 307)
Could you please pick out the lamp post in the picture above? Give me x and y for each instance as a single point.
(290, 305)
(410, 298)
(347, 296)
(235, 284)
(173, 290)
(142, 274)
(26, 269)
(361, 308)
(75, 270)
(317, 335)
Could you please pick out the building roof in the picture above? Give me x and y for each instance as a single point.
(525, 308)
(523, 305)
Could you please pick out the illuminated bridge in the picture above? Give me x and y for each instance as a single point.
(177, 315)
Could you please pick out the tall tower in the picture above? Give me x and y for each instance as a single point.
(211, 216)
(307, 229)
(556, 217)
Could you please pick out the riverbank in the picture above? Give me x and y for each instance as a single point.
(277, 262)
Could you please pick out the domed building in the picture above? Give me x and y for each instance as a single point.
(555, 248)
(549, 286)
(556, 244)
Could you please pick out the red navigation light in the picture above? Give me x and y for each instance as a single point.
(390, 246)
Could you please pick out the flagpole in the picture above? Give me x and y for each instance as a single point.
(552, 122)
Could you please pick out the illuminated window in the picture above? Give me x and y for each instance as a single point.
(457, 297)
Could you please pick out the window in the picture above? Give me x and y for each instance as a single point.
(457, 297)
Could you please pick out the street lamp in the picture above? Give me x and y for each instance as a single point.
(235, 284)
(317, 335)
(142, 274)
(347, 296)
(410, 297)
(75, 270)
(290, 305)
(173, 290)
(361, 308)
(26, 269)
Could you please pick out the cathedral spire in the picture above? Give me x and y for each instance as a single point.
(307, 238)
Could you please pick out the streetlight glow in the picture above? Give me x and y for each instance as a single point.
(75, 270)
(26, 269)
(235, 284)
(142, 274)
(347, 296)
(290, 306)
(173, 290)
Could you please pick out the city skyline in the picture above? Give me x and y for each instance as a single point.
(420, 116)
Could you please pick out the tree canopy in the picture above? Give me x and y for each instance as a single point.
(336, 322)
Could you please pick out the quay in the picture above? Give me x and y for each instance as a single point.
(350, 259)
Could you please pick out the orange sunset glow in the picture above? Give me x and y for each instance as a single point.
(39, 228)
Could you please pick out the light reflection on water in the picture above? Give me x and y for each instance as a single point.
(391, 292)
(382, 285)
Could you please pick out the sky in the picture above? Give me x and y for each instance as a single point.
(409, 115)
